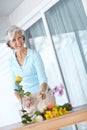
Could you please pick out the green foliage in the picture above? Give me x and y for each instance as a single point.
(68, 106)
(38, 113)
(27, 93)
(23, 111)
(25, 117)
(24, 121)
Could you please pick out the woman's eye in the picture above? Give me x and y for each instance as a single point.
(17, 39)
(20, 37)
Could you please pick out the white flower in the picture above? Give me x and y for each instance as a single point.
(43, 108)
(39, 118)
(33, 118)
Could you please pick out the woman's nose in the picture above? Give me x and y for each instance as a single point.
(17, 41)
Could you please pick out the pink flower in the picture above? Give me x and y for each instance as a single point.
(60, 92)
(52, 93)
(57, 89)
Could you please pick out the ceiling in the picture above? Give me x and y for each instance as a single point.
(8, 6)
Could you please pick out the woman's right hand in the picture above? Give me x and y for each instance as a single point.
(27, 101)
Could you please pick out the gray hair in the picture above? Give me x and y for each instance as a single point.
(11, 32)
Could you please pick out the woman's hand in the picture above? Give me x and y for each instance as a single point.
(28, 101)
(42, 95)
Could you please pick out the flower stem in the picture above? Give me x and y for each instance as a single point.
(22, 104)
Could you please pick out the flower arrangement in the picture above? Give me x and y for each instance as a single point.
(46, 112)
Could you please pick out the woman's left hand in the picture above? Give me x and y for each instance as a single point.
(42, 95)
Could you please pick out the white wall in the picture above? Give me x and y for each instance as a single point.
(23, 10)
(4, 23)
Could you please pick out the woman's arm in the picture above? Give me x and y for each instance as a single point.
(43, 87)
(39, 66)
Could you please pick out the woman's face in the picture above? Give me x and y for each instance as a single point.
(18, 42)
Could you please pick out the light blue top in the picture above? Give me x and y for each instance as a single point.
(32, 71)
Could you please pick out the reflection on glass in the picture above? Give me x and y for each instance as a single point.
(83, 38)
(72, 67)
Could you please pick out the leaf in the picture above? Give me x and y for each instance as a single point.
(27, 117)
(21, 92)
(38, 113)
(24, 121)
(68, 106)
(27, 93)
(23, 111)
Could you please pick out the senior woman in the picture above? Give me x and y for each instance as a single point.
(26, 63)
